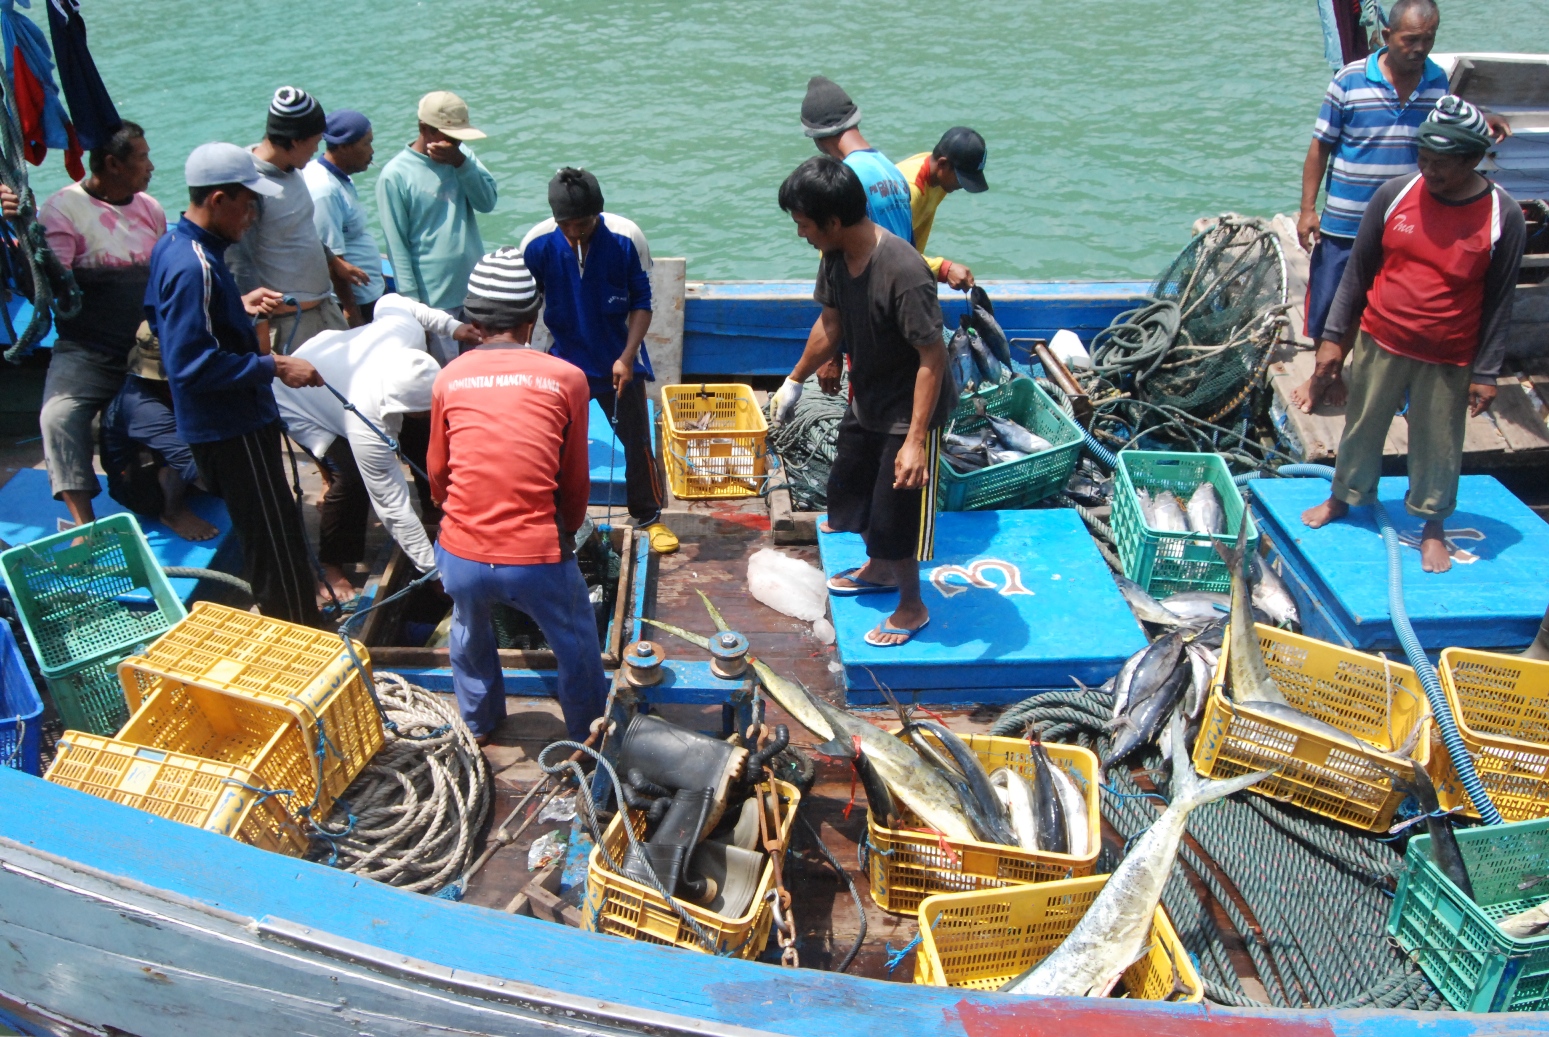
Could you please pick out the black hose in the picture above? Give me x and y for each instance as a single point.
(753, 771)
(192, 572)
(860, 908)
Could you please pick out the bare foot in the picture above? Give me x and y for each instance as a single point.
(1323, 514)
(825, 527)
(1318, 390)
(910, 619)
(189, 526)
(1434, 556)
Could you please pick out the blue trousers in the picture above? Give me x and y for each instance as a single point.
(554, 596)
(1326, 268)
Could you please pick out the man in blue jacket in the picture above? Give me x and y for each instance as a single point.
(221, 380)
(594, 271)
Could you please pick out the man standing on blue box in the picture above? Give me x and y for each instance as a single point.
(221, 382)
(593, 268)
(1366, 127)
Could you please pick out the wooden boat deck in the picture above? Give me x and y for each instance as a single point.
(717, 564)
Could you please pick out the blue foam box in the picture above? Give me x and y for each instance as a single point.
(1019, 601)
(28, 511)
(1493, 597)
(605, 456)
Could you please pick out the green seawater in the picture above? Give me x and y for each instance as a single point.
(1111, 126)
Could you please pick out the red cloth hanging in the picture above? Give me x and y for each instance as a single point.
(30, 99)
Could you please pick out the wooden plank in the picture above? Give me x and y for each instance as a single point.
(1516, 418)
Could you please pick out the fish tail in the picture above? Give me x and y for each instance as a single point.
(687, 635)
(1189, 789)
(1234, 556)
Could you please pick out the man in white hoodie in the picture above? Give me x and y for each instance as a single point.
(384, 370)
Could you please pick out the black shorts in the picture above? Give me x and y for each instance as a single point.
(896, 524)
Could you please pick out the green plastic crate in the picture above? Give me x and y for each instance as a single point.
(1455, 940)
(80, 602)
(1027, 480)
(90, 697)
(1166, 562)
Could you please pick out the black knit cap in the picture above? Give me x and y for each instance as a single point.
(827, 110)
(294, 113)
(574, 194)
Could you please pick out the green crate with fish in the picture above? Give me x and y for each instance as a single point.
(1472, 908)
(1013, 450)
(1169, 512)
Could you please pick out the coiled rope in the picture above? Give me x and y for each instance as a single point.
(1307, 896)
(412, 817)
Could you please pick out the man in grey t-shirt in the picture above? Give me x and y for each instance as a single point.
(282, 250)
(879, 300)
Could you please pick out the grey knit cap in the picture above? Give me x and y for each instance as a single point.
(296, 114)
(1455, 127)
(827, 110)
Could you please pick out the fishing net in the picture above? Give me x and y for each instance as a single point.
(1305, 900)
(1207, 335)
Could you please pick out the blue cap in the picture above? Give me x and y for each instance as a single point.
(345, 127)
(211, 165)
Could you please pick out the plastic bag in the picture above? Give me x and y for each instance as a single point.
(545, 850)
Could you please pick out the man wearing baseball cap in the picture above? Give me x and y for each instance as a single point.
(221, 381)
(340, 219)
(427, 197)
(957, 162)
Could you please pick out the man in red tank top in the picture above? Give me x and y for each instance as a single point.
(1424, 302)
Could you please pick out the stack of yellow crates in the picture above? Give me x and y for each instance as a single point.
(239, 724)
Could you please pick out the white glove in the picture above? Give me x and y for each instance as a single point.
(784, 404)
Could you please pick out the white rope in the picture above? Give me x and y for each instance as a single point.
(411, 818)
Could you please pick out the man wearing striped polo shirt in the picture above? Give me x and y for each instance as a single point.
(1367, 126)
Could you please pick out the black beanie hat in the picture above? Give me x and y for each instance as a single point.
(827, 110)
(294, 113)
(574, 194)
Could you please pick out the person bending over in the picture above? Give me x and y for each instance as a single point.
(385, 371)
(508, 464)
(879, 300)
(1425, 300)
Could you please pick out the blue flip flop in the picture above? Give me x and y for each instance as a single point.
(861, 586)
(884, 628)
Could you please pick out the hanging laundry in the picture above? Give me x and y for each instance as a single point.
(90, 106)
(44, 123)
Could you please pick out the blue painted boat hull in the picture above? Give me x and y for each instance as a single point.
(760, 327)
(109, 916)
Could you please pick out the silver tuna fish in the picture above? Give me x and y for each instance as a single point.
(1168, 513)
(1204, 512)
(1115, 929)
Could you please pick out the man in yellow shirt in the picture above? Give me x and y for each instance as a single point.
(956, 162)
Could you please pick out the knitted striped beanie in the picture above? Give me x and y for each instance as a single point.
(1455, 128)
(501, 291)
(294, 113)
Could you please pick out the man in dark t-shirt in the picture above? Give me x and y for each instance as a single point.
(879, 301)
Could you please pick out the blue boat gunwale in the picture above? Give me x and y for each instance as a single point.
(272, 894)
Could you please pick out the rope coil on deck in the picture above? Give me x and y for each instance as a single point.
(1307, 897)
(411, 818)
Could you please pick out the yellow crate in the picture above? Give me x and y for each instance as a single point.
(622, 907)
(1342, 687)
(909, 863)
(725, 458)
(984, 939)
(284, 672)
(218, 797)
(1501, 704)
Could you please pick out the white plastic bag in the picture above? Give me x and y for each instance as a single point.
(788, 585)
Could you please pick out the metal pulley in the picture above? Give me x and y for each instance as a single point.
(643, 663)
(729, 655)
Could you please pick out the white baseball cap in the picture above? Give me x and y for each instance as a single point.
(211, 165)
